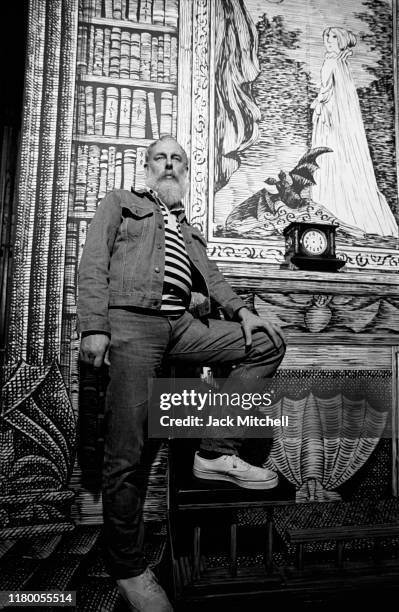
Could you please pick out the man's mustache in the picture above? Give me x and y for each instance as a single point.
(169, 175)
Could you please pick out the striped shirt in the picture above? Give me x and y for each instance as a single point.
(177, 279)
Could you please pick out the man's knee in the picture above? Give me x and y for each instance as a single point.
(266, 349)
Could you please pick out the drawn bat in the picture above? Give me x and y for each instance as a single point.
(301, 175)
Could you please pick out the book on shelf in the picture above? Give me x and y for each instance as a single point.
(115, 52)
(124, 68)
(107, 51)
(158, 11)
(154, 59)
(166, 58)
(99, 111)
(165, 127)
(160, 59)
(111, 168)
(98, 51)
(132, 10)
(129, 168)
(125, 112)
(82, 234)
(99, 8)
(81, 110)
(173, 59)
(72, 179)
(117, 9)
(118, 170)
(102, 188)
(90, 52)
(111, 111)
(145, 56)
(134, 68)
(89, 110)
(139, 102)
(174, 115)
(145, 8)
(70, 267)
(171, 13)
(153, 115)
(81, 177)
(93, 178)
(139, 176)
(82, 50)
(108, 9)
(88, 9)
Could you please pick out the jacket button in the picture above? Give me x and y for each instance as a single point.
(160, 225)
(156, 269)
(159, 246)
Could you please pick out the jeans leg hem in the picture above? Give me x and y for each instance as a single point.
(133, 573)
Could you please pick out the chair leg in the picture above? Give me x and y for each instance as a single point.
(197, 553)
(233, 550)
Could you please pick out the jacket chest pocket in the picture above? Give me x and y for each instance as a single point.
(136, 222)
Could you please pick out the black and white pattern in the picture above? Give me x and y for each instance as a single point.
(177, 279)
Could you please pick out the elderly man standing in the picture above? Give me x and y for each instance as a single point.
(141, 261)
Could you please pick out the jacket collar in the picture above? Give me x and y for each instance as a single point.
(151, 194)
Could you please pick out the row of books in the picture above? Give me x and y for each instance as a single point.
(159, 12)
(124, 112)
(118, 53)
(98, 170)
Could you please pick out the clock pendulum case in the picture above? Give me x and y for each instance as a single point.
(311, 246)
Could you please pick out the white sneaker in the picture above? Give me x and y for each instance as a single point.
(234, 469)
(143, 593)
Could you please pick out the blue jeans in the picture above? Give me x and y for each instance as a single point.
(139, 345)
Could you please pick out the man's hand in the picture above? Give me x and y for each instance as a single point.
(251, 322)
(93, 349)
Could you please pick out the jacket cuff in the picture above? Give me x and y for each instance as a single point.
(93, 325)
(233, 306)
(92, 332)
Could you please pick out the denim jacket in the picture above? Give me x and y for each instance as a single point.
(123, 261)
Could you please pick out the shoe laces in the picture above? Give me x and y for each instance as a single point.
(236, 461)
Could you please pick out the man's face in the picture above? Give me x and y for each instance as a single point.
(166, 171)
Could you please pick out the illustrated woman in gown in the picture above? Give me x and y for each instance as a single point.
(345, 182)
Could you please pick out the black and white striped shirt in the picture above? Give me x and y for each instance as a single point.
(177, 279)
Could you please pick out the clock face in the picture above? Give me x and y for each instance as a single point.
(314, 242)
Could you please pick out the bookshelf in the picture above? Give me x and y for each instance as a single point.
(126, 94)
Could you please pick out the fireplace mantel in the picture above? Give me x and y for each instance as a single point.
(344, 309)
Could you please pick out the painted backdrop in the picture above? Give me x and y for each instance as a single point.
(291, 77)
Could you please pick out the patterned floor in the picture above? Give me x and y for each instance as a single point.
(71, 561)
(74, 561)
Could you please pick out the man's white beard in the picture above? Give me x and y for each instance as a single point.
(170, 191)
